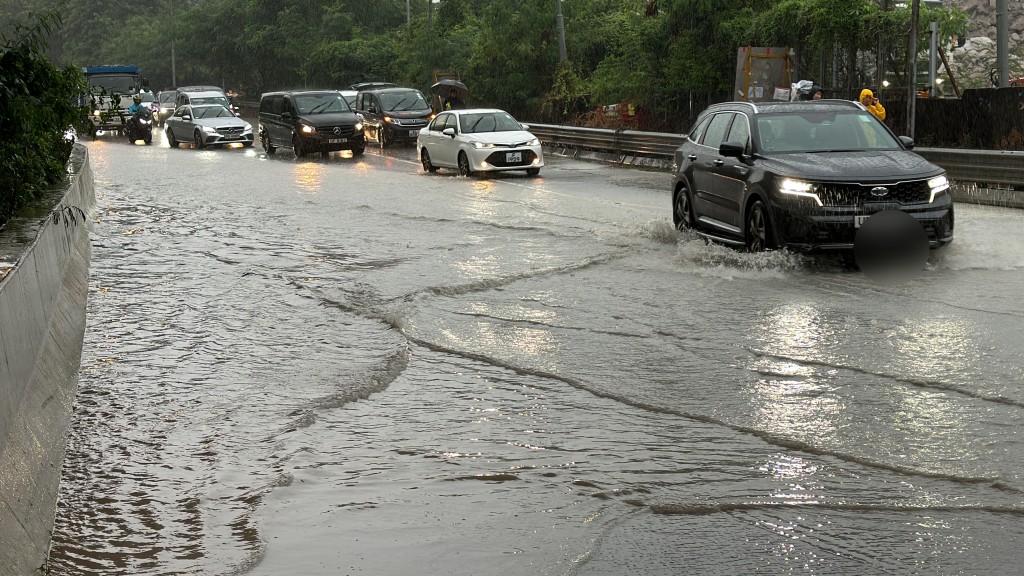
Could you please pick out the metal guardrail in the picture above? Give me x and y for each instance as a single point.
(1000, 167)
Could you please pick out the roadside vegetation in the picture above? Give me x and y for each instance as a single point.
(668, 57)
(38, 104)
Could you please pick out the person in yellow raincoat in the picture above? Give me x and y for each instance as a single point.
(867, 98)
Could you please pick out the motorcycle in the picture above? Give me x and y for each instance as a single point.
(140, 126)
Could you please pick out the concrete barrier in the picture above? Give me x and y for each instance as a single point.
(44, 276)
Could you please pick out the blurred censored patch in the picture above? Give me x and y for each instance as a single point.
(891, 246)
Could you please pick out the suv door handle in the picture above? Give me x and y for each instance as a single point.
(692, 157)
(719, 162)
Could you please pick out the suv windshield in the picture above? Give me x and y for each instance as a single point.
(321, 103)
(824, 131)
(403, 100)
(166, 97)
(489, 122)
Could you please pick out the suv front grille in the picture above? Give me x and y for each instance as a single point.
(837, 194)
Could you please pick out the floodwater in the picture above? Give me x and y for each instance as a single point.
(348, 366)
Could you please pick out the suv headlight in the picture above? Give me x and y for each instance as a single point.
(937, 186)
(791, 187)
(307, 129)
(358, 127)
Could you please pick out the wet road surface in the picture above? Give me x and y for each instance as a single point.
(348, 366)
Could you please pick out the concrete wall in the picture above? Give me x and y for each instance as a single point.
(44, 275)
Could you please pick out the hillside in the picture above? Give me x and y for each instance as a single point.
(983, 18)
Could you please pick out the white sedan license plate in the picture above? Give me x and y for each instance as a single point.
(513, 157)
(858, 221)
(337, 140)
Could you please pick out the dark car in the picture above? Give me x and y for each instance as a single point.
(801, 175)
(393, 114)
(309, 121)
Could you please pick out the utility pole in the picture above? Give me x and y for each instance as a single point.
(174, 34)
(1002, 44)
(915, 12)
(561, 34)
(408, 13)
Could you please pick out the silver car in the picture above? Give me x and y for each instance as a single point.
(478, 140)
(207, 125)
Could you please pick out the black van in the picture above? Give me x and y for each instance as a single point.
(309, 121)
(393, 114)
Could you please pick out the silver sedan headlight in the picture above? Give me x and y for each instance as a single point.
(247, 127)
(209, 130)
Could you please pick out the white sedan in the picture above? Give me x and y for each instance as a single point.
(478, 140)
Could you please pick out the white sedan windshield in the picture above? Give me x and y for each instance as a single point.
(489, 122)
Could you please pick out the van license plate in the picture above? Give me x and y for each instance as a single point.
(859, 220)
(513, 157)
(337, 140)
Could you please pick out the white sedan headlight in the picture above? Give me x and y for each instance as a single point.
(482, 145)
(534, 142)
(937, 186)
(792, 187)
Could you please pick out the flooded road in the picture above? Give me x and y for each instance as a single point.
(348, 366)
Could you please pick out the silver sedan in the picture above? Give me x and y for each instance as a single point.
(478, 140)
(207, 125)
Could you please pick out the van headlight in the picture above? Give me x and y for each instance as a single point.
(358, 127)
(801, 188)
(937, 186)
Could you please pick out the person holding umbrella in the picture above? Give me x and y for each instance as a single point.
(452, 93)
(453, 102)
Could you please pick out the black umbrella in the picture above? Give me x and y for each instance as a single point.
(448, 84)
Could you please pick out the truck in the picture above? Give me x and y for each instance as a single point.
(111, 89)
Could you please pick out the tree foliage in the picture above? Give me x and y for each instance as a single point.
(38, 103)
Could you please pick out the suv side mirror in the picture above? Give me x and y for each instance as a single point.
(286, 116)
(732, 149)
(907, 141)
(371, 109)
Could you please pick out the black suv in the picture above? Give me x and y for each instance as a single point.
(309, 121)
(801, 175)
(393, 114)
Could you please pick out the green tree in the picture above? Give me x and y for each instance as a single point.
(38, 103)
